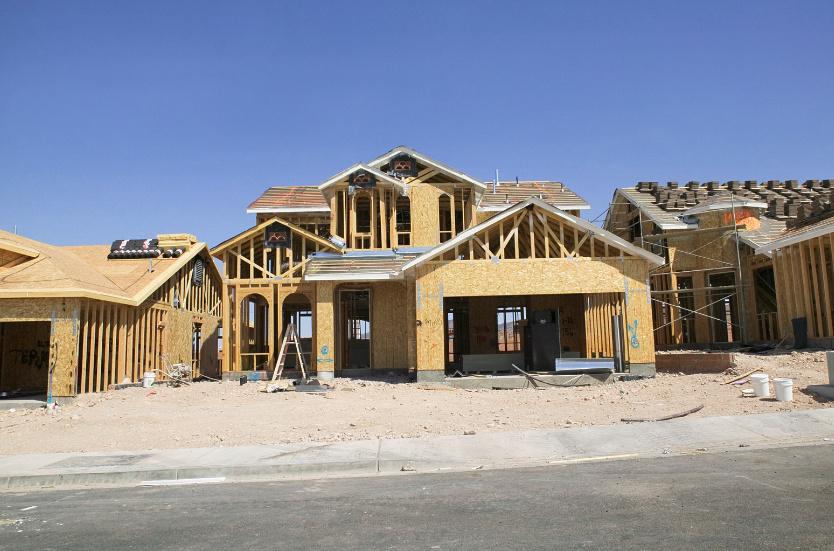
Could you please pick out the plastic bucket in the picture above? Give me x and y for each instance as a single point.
(783, 389)
(148, 379)
(760, 384)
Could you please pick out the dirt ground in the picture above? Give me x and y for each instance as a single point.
(228, 414)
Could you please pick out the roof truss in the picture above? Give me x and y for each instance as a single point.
(533, 229)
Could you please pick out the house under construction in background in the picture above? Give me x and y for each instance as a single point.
(79, 319)
(718, 284)
(804, 279)
(405, 264)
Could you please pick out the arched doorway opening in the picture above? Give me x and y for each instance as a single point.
(253, 329)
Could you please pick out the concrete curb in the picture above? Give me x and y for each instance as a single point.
(446, 453)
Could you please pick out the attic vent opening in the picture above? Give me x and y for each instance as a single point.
(403, 166)
(360, 180)
(197, 275)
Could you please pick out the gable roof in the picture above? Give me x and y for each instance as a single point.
(85, 271)
(604, 235)
(255, 229)
(396, 182)
(449, 171)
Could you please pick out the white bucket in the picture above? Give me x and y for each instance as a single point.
(148, 379)
(784, 389)
(760, 384)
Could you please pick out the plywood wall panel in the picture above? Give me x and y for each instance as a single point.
(389, 325)
(425, 221)
(430, 343)
(533, 276)
(325, 352)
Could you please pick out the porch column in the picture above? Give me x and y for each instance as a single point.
(325, 352)
(429, 314)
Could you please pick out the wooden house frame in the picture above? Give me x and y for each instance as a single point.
(716, 287)
(95, 322)
(373, 276)
(802, 260)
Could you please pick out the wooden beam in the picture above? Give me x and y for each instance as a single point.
(805, 282)
(812, 256)
(824, 265)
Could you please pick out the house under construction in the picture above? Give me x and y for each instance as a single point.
(404, 264)
(717, 284)
(79, 319)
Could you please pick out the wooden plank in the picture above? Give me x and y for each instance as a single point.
(796, 281)
(334, 218)
(382, 219)
(122, 353)
(825, 289)
(85, 335)
(812, 256)
(99, 346)
(805, 283)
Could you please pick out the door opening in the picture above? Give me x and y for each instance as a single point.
(356, 329)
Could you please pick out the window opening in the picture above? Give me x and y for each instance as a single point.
(686, 301)
(510, 313)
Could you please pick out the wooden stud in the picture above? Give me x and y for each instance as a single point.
(804, 282)
(824, 266)
(819, 327)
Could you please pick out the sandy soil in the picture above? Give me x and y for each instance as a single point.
(227, 414)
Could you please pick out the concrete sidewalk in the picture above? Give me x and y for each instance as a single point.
(489, 451)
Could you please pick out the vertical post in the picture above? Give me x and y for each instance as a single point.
(617, 341)
(740, 275)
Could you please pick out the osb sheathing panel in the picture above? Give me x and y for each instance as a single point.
(389, 326)
(177, 336)
(484, 215)
(483, 337)
(28, 309)
(325, 352)
(65, 350)
(410, 323)
(638, 315)
(26, 355)
(430, 345)
(571, 318)
(534, 277)
(425, 219)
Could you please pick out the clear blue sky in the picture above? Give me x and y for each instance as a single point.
(127, 119)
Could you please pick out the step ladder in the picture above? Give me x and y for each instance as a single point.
(290, 338)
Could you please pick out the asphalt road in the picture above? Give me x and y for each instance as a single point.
(778, 498)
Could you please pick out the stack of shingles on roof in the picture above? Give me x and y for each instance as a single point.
(787, 200)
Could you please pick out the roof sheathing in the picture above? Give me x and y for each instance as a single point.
(85, 271)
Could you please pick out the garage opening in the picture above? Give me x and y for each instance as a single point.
(24, 358)
(487, 335)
